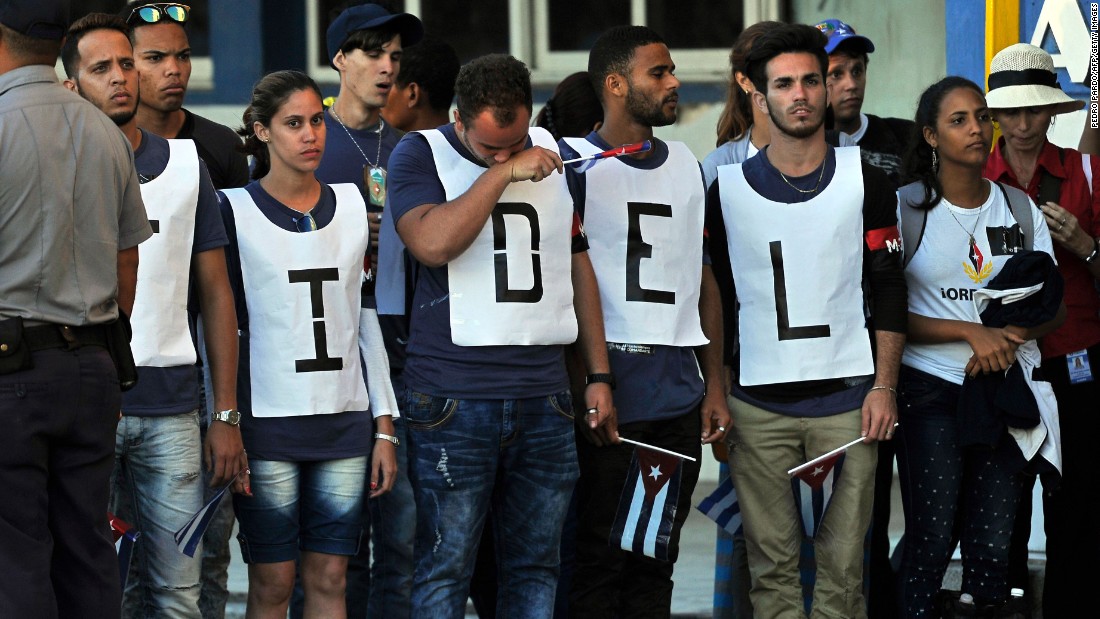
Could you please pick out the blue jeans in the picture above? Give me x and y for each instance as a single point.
(157, 488)
(383, 588)
(949, 493)
(392, 537)
(516, 458)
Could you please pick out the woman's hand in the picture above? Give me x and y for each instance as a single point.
(994, 349)
(1066, 230)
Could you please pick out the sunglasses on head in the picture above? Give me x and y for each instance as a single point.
(153, 13)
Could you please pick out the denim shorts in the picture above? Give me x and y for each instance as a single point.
(312, 506)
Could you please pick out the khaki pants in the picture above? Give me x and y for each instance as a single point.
(763, 446)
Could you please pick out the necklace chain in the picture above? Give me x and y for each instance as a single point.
(381, 125)
(816, 186)
(970, 233)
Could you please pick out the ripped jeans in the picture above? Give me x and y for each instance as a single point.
(512, 460)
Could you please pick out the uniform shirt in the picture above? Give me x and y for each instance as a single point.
(69, 202)
(1082, 327)
(883, 281)
(654, 382)
(435, 365)
(305, 438)
(174, 390)
(217, 145)
(943, 273)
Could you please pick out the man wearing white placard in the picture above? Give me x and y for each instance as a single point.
(644, 219)
(814, 259)
(158, 451)
(502, 283)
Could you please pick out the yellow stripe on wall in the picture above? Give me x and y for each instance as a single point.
(1002, 28)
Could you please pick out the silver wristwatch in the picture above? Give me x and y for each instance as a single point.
(231, 416)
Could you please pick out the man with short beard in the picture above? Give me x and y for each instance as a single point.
(813, 262)
(662, 315)
(158, 453)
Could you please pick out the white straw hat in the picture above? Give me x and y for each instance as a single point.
(1022, 75)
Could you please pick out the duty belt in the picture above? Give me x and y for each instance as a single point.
(46, 337)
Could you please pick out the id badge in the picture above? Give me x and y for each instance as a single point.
(1079, 369)
(376, 184)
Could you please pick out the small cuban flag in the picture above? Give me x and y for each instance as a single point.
(722, 507)
(125, 537)
(647, 507)
(813, 488)
(583, 164)
(189, 536)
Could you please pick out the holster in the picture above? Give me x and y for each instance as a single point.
(118, 344)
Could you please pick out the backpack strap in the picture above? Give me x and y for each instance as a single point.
(911, 219)
(1086, 165)
(1020, 206)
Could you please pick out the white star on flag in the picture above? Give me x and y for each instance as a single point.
(818, 470)
(655, 472)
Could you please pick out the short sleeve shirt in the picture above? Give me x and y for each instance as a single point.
(69, 202)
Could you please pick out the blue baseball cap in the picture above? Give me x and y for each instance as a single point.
(366, 16)
(38, 19)
(839, 32)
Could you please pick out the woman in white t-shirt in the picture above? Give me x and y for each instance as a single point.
(968, 233)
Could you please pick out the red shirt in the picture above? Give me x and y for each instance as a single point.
(1082, 327)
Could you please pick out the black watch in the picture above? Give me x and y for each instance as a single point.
(608, 378)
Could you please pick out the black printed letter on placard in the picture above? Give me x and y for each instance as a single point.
(321, 362)
(500, 253)
(783, 318)
(637, 249)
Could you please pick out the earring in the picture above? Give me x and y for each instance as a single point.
(935, 161)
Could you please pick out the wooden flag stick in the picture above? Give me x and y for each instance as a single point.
(655, 448)
(802, 467)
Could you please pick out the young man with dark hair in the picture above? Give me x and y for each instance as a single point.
(162, 52)
(366, 44)
(663, 317)
(158, 452)
(72, 220)
(810, 239)
(162, 55)
(503, 283)
(424, 88)
(881, 141)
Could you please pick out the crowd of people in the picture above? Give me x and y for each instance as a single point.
(432, 362)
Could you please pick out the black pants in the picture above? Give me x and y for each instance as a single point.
(57, 448)
(607, 581)
(1069, 511)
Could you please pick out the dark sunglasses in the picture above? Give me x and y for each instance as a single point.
(153, 13)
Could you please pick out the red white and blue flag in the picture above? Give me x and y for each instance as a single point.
(583, 164)
(647, 507)
(125, 537)
(189, 536)
(813, 488)
(722, 507)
